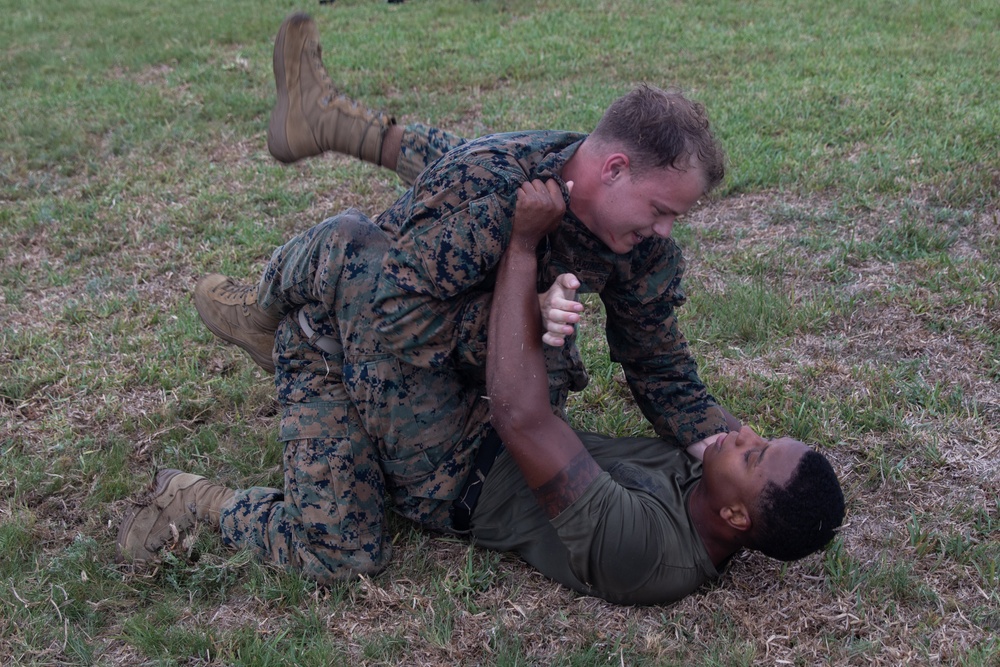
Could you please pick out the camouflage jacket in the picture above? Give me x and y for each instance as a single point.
(452, 227)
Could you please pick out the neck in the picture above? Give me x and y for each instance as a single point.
(579, 168)
(719, 539)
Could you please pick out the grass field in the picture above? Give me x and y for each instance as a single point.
(843, 288)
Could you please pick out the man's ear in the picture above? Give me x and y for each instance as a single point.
(615, 166)
(736, 516)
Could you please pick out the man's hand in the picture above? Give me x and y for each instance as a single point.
(539, 210)
(560, 310)
(697, 450)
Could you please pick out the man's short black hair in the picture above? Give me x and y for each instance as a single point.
(802, 517)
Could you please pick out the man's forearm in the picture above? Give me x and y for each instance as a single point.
(555, 464)
(551, 457)
(515, 359)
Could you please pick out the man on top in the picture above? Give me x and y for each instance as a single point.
(448, 231)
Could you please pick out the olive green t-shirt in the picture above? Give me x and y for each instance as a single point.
(628, 539)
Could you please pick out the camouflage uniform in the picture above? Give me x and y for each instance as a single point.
(385, 397)
(358, 425)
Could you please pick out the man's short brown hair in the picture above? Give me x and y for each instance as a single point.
(662, 128)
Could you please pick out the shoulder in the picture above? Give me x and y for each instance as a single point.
(523, 141)
(633, 515)
(496, 164)
(654, 255)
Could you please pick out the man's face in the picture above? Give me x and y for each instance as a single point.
(633, 208)
(738, 466)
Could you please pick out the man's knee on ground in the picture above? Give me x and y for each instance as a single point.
(328, 566)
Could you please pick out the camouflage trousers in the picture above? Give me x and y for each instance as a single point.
(421, 146)
(360, 429)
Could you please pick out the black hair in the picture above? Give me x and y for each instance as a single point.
(802, 517)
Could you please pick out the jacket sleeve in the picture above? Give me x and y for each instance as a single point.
(433, 301)
(643, 336)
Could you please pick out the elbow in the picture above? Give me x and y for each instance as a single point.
(502, 417)
(514, 421)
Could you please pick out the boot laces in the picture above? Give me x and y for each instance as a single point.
(326, 83)
(347, 104)
(238, 293)
(332, 94)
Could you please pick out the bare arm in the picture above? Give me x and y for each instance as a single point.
(555, 464)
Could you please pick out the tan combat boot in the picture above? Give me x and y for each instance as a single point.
(176, 502)
(311, 115)
(230, 310)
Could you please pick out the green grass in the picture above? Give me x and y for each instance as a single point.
(842, 288)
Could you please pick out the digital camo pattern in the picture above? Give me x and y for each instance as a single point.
(450, 230)
(423, 145)
(358, 425)
(327, 523)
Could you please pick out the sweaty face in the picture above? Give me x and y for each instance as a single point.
(738, 466)
(632, 209)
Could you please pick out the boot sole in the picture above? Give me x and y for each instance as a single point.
(277, 138)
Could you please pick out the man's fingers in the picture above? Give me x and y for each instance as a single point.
(549, 187)
(534, 186)
(568, 280)
(554, 190)
(553, 340)
(564, 312)
(564, 294)
(569, 283)
(556, 329)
